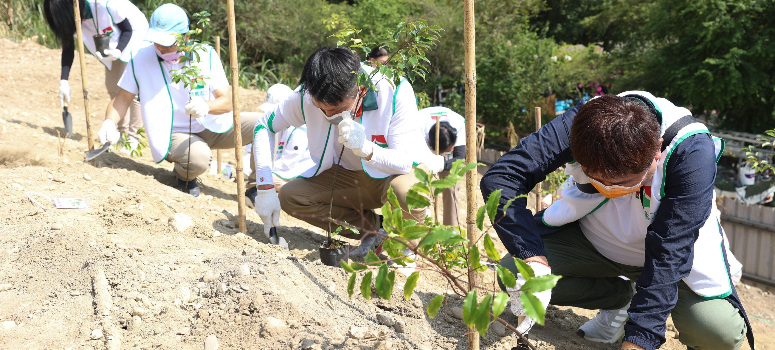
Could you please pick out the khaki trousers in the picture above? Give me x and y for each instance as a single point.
(449, 199)
(134, 121)
(355, 196)
(193, 161)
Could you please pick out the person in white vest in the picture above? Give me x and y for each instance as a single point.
(124, 23)
(452, 146)
(182, 125)
(642, 206)
(361, 142)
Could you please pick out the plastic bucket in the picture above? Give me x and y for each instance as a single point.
(746, 175)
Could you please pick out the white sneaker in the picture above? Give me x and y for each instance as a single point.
(606, 327)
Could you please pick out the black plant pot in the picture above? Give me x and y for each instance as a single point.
(101, 43)
(333, 254)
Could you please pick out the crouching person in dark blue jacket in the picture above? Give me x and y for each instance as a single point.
(641, 205)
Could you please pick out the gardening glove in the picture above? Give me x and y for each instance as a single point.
(110, 55)
(435, 164)
(197, 108)
(539, 269)
(353, 136)
(64, 92)
(268, 208)
(108, 132)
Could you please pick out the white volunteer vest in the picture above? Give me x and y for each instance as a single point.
(292, 155)
(627, 218)
(156, 101)
(108, 26)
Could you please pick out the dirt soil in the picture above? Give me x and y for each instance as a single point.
(118, 274)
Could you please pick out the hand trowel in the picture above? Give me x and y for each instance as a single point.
(67, 118)
(277, 240)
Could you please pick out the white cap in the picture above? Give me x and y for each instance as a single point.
(276, 94)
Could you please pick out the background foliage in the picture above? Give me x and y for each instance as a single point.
(712, 56)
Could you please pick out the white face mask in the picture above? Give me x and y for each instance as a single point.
(337, 118)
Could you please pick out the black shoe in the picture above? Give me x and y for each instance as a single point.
(250, 197)
(191, 188)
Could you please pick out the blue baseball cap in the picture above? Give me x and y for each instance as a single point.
(166, 21)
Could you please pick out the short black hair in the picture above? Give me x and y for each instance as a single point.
(61, 17)
(377, 52)
(330, 74)
(447, 136)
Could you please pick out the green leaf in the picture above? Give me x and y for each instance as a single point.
(416, 200)
(366, 286)
(492, 204)
(499, 303)
(540, 283)
(524, 268)
(347, 267)
(371, 257)
(483, 315)
(411, 283)
(358, 266)
(414, 232)
(489, 247)
(473, 258)
(435, 305)
(438, 234)
(351, 285)
(480, 218)
(506, 276)
(469, 309)
(421, 175)
(384, 282)
(391, 195)
(508, 203)
(387, 215)
(533, 307)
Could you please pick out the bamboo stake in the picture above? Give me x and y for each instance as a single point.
(218, 152)
(436, 199)
(237, 129)
(471, 176)
(79, 41)
(538, 186)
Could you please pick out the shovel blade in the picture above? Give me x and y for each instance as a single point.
(67, 118)
(93, 154)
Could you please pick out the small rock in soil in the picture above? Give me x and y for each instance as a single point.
(385, 320)
(400, 326)
(96, 334)
(211, 343)
(180, 222)
(57, 226)
(244, 270)
(356, 332)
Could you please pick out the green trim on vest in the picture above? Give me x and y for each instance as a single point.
(723, 146)
(598, 207)
(134, 74)
(301, 102)
(545, 224)
(726, 268)
(172, 110)
(322, 156)
(669, 153)
(256, 129)
(269, 123)
(395, 94)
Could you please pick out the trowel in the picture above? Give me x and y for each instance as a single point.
(67, 118)
(93, 154)
(277, 240)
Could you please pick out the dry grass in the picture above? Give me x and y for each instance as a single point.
(16, 157)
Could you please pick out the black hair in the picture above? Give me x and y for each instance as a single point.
(61, 17)
(330, 75)
(377, 52)
(447, 136)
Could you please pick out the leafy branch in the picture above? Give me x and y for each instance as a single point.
(446, 252)
(191, 43)
(753, 156)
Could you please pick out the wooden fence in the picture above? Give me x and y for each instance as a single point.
(751, 233)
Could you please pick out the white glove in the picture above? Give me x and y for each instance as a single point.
(64, 92)
(353, 136)
(108, 132)
(516, 304)
(435, 164)
(110, 55)
(268, 208)
(197, 108)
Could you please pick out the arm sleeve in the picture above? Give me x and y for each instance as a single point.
(670, 239)
(126, 34)
(68, 54)
(517, 172)
(459, 152)
(287, 113)
(403, 136)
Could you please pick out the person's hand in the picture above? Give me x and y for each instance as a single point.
(267, 207)
(353, 136)
(539, 269)
(197, 108)
(436, 164)
(110, 55)
(108, 132)
(64, 92)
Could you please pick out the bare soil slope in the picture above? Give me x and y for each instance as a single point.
(118, 275)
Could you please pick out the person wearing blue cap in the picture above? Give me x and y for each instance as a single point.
(125, 25)
(182, 125)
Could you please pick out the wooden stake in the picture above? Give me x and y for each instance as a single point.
(470, 72)
(436, 198)
(218, 152)
(79, 41)
(538, 186)
(243, 227)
